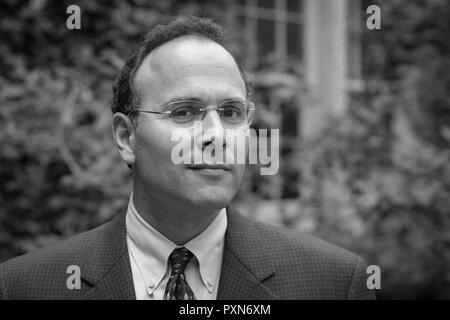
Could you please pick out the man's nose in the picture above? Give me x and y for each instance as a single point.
(212, 128)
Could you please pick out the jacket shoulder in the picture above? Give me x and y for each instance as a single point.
(281, 241)
(31, 275)
(73, 247)
(324, 270)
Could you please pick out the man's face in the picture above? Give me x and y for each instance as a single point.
(184, 68)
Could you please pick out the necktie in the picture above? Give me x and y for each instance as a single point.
(177, 287)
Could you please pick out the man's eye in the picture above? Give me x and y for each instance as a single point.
(180, 113)
(231, 112)
(184, 112)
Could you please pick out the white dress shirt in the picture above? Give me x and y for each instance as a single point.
(149, 252)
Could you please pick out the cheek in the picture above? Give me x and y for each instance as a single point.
(153, 146)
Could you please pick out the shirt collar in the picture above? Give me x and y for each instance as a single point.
(154, 249)
(208, 247)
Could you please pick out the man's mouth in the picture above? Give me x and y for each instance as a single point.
(210, 166)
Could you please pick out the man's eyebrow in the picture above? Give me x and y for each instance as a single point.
(182, 98)
(197, 99)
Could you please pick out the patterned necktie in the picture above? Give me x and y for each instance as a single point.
(177, 287)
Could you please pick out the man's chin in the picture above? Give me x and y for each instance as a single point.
(214, 199)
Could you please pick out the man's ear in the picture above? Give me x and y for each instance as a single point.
(124, 136)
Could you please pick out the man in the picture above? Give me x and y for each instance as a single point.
(178, 238)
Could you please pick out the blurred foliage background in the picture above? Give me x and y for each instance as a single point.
(375, 181)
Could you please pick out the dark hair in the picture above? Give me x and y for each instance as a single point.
(124, 99)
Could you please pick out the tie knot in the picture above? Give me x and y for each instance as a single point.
(179, 259)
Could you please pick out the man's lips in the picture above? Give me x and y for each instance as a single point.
(209, 166)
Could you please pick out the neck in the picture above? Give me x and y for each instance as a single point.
(178, 223)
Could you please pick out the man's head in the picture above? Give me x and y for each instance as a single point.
(125, 98)
(185, 59)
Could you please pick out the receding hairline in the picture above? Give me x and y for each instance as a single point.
(172, 43)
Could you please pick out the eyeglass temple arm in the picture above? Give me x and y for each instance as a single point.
(147, 111)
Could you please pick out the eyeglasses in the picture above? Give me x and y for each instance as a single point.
(189, 113)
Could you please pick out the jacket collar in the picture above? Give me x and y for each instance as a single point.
(107, 267)
(245, 265)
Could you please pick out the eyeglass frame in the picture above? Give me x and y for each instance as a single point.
(204, 111)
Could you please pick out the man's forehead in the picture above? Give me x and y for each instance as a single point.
(190, 53)
(179, 61)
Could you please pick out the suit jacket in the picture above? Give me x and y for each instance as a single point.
(260, 262)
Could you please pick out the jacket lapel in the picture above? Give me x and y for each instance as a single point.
(246, 265)
(107, 268)
(117, 284)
